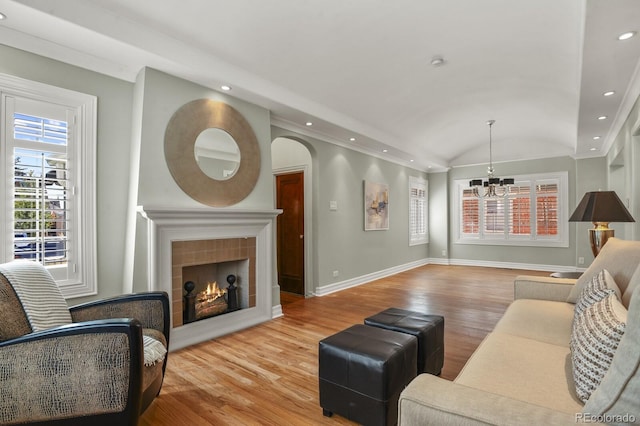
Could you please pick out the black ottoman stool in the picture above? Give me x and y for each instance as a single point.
(429, 329)
(362, 371)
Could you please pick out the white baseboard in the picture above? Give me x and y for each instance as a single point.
(354, 282)
(438, 261)
(506, 265)
(276, 311)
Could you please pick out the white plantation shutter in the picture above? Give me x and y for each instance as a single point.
(520, 209)
(418, 233)
(547, 208)
(470, 222)
(494, 216)
(534, 213)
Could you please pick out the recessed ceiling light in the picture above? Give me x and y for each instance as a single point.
(592, 149)
(411, 160)
(385, 150)
(225, 87)
(609, 93)
(602, 117)
(437, 61)
(2, 16)
(352, 139)
(626, 36)
(595, 138)
(309, 123)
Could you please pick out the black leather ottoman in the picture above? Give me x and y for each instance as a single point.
(429, 329)
(362, 372)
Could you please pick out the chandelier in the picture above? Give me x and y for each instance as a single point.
(493, 186)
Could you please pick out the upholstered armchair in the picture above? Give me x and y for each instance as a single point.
(100, 363)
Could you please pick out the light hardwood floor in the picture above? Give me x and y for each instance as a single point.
(267, 375)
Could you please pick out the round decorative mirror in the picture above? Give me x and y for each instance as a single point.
(212, 152)
(217, 154)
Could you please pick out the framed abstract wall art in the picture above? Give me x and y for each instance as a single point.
(376, 206)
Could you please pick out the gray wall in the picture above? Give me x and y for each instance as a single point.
(526, 255)
(114, 135)
(161, 95)
(623, 171)
(438, 217)
(340, 242)
(134, 116)
(591, 175)
(443, 193)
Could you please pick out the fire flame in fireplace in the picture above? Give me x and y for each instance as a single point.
(212, 292)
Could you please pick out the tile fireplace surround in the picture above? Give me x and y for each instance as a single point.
(185, 237)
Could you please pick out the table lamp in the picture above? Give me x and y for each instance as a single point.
(601, 208)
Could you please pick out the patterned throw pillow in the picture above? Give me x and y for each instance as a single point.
(601, 285)
(597, 332)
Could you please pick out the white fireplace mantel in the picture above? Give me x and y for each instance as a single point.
(166, 225)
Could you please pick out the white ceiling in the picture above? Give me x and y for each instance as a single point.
(362, 69)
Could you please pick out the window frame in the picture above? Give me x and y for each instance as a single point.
(414, 237)
(82, 156)
(507, 239)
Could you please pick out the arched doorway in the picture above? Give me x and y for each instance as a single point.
(292, 170)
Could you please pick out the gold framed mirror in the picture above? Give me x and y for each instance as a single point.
(217, 188)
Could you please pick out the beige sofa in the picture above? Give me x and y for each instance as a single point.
(522, 372)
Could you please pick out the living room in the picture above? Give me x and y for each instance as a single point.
(133, 179)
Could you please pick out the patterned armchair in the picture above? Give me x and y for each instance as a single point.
(100, 363)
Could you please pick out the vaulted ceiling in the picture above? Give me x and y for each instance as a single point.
(361, 71)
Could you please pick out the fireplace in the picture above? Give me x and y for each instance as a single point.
(203, 270)
(203, 246)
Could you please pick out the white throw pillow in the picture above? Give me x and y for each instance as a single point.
(618, 392)
(597, 332)
(38, 293)
(601, 285)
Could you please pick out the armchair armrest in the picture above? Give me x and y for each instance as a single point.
(74, 374)
(431, 400)
(545, 288)
(150, 308)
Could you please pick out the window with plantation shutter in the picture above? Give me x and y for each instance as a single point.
(470, 214)
(418, 233)
(494, 220)
(533, 213)
(48, 145)
(546, 209)
(520, 209)
(41, 196)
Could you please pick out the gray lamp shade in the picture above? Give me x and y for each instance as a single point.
(601, 206)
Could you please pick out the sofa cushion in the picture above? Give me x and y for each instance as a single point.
(600, 286)
(597, 332)
(634, 283)
(542, 320)
(618, 392)
(619, 257)
(523, 369)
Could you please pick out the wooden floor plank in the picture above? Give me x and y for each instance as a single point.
(267, 375)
